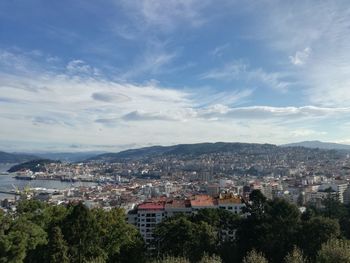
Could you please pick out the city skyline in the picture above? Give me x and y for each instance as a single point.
(121, 74)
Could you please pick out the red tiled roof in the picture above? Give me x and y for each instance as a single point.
(176, 203)
(202, 200)
(151, 206)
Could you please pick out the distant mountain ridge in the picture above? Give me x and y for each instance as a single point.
(180, 149)
(319, 145)
(16, 157)
(152, 151)
(69, 156)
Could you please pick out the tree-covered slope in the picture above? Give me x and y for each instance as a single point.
(34, 166)
(15, 157)
(184, 149)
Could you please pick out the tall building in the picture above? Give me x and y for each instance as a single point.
(148, 214)
(146, 217)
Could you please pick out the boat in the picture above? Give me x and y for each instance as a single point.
(25, 177)
(68, 179)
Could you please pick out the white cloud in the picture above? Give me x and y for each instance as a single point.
(233, 97)
(46, 108)
(155, 59)
(153, 62)
(81, 67)
(144, 116)
(307, 133)
(165, 15)
(324, 28)
(110, 97)
(240, 71)
(228, 72)
(219, 50)
(267, 112)
(300, 57)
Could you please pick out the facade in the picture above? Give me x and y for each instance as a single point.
(231, 203)
(202, 201)
(337, 186)
(341, 188)
(148, 214)
(346, 196)
(174, 207)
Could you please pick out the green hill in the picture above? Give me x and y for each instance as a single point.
(34, 166)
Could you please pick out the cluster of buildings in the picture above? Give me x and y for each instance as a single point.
(229, 194)
(151, 189)
(148, 214)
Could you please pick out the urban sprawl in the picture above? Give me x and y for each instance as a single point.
(157, 187)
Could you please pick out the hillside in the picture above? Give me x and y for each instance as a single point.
(182, 150)
(34, 166)
(16, 157)
(319, 145)
(68, 156)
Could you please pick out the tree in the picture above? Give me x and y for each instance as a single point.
(252, 228)
(57, 247)
(254, 257)
(30, 206)
(345, 227)
(315, 232)
(41, 213)
(20, 238)
(178, 236)
(170, 259)
(228, 251)
(295, 256)
(210, 259)
(221, 220)
(301, 199)
(273, 230)
(335, 250)
(82, 233)
(256, 205)
(122, 242)
(282, 224)
(332, 206)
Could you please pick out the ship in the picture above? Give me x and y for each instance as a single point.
(25, 177)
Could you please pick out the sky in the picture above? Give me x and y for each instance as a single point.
(116, 74)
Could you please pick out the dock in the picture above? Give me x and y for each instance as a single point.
(9, 192)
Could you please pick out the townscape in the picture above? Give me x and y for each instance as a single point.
(174, 131)
(160, 186)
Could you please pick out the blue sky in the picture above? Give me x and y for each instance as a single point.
(115, 74)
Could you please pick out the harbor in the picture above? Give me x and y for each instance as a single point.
(9, 184)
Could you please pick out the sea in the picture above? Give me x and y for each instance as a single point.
(8, 183)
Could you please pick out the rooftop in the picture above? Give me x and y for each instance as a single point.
(229, 199)
(151, 206)
(202, 200)
(178, 203)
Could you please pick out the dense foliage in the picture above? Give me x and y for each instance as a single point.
(38, 232)
(272, 231)
(33, 165)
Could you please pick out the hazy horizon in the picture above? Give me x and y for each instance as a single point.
(115, 149)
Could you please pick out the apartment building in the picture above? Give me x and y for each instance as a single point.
(148, 214)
